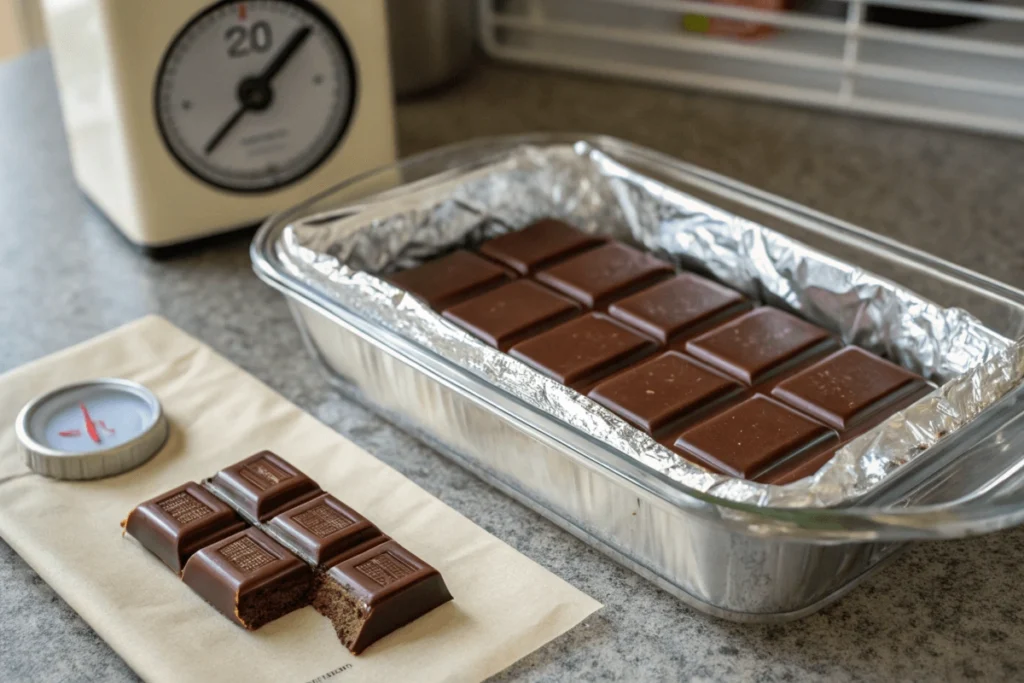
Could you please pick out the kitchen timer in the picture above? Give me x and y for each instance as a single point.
(191, 118)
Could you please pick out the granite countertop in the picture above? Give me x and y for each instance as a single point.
(942, 611)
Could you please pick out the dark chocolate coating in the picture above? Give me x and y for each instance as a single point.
(601, 275)
(582, 351)
(538, 245)
(264, 485)
(249, 578)
(324, 529)
(847, 387)
(447, 280)
(657, 394)
(746, 439)
(512, 312)
(673, 310)
(373, 594)
(759, 344)
(176, 524)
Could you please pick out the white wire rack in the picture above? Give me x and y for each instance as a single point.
(830, 53)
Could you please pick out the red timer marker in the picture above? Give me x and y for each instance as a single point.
(241, 12)
(90, 426)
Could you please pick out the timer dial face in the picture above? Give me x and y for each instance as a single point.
(252, 96)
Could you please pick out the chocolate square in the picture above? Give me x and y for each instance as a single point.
(538, 245)
(848, 387)
(582, 351)
(679, 308)
(657, 394)
(512, 312)
(249, 578)
(370, 595)
(760, 344)
(750, 438)
(449, 279)
(597, 277)
(264, 485)
(324, 530)
(176, 524)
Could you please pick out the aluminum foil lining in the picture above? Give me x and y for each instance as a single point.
(341, 253)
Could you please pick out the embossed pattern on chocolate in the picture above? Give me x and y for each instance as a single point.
(185, 508)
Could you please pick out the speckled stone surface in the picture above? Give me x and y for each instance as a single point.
(946, 611)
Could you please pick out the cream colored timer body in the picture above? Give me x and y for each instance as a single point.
(189, 118)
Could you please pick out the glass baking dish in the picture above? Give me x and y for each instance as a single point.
(731, 559)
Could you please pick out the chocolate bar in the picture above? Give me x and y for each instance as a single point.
(532, 248)
(598, 276)
(746, 439)
(658, 394)
(325, 530)
(264, 485)
(446, 280)
(761, 343)
(512, 312)
(739, 388)
(292, 546)
(175, 525)
(371, 594)
(249, 578)
(582, 351)
(677, 309)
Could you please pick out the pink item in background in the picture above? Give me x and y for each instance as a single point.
(721, 26)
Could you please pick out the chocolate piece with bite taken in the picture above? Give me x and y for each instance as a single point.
(369, 596)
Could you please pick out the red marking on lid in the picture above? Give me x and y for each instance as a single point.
(241, 12)
(104, 427)
(71, 432)
(90, 426)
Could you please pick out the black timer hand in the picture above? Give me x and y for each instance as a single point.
(254, 93)
(289, 49)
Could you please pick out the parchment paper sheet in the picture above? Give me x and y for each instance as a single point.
(505, 604)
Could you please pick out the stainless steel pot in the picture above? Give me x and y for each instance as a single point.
(431, 42)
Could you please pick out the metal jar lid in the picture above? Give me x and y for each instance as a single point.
(91, 430)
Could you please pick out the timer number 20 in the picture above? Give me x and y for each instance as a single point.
(242, 41)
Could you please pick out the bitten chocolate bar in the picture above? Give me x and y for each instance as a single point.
(739, 388)
(371, 594)
(260, 539)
